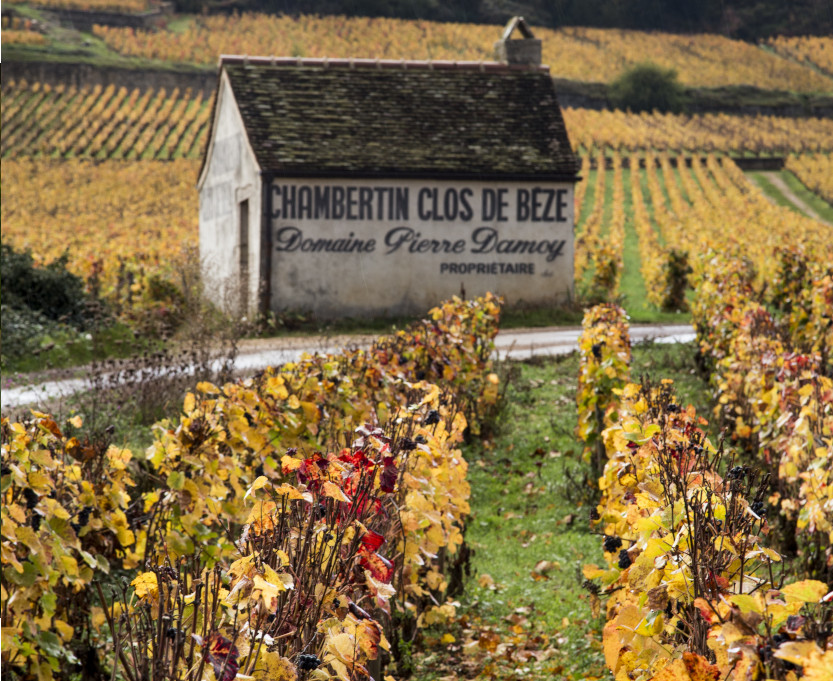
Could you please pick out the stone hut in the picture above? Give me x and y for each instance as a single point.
(366, 187)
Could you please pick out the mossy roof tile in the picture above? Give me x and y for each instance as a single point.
(318, 120)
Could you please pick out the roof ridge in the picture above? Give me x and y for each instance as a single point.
(404, 64)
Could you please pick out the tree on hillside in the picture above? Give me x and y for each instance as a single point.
(647, 87)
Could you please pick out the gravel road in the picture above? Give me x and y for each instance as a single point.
(516, 344)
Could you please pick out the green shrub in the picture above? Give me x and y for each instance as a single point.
(25, 330)
(647, 87)
(51, 291)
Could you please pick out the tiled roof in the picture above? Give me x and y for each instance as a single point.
(398, 118)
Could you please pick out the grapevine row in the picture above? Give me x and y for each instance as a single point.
(815, 50)
(37, 120)
(741, 135)
(587, 233)
(309, 503)
(815, 171)
(129, 6)
(585, 54)
(102, 123)
(689, 579)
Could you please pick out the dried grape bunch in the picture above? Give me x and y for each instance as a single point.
(590, 586)
(308, 662)
(624, 559)
(612, 544)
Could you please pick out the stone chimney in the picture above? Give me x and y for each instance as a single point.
(525, 50)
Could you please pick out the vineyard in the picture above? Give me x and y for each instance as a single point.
(738, 135)
(716, 558)
(128, 6)
(816, 172)
(243, 528)
(694, 533)
(591, 55)
(583, 54)
(679, 211)
(43, 121)
(418, 509)
(19, 31)
(143, 215)
(707, 604)
(102, 122)
(809, 49)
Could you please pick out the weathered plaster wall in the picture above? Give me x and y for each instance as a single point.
(231, 177)
(375, 248)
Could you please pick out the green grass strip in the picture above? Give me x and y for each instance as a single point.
(774, 193)
(816, 202)
(649, 204)
(530, 503)
(632, 286)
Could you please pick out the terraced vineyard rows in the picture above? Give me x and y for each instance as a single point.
(102, 122)
(585, 54)
(66, 122)
(42, 121)
(743, 135)
(128, 6)
(19, 31)
(119, 222)
(816, 172)
(677, 213)
(810, 49)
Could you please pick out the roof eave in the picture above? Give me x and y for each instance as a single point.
(529, 176)
(403, 64)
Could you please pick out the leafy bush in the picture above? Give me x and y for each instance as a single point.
(647, 87)
(605, 352)
(52, 290)
(708, 604)
(25, 330)
(306, 509)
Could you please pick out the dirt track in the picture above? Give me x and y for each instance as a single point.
(256, 354)
(778, 181)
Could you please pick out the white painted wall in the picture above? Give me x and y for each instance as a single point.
(231, 175)
(367, 254)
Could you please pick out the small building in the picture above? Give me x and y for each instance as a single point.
(362, 187)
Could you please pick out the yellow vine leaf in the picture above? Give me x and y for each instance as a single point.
(773, 555)
(241, 567)
(65, 631)
(283, 578)
(747, 603)
(287, 490)
(146, 584)
(189, 403)
(334, 492)
(208, 388)
(289, 463)
(273, 667)
(807, 591)
(260, 482)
